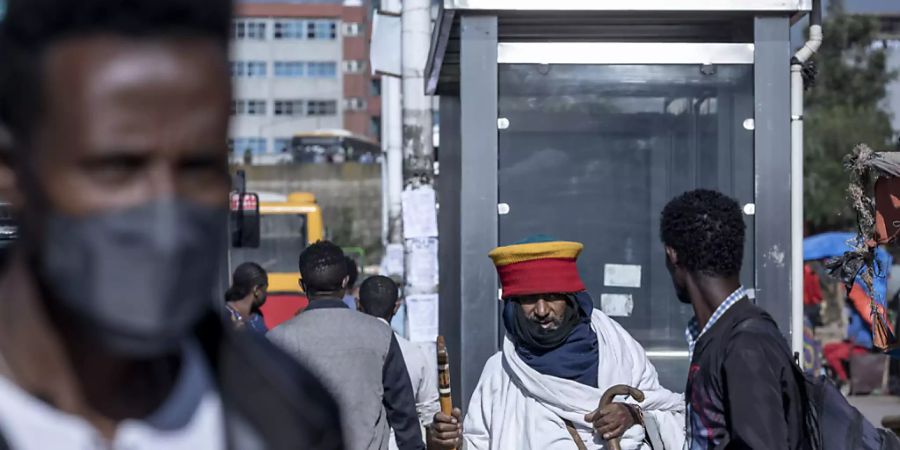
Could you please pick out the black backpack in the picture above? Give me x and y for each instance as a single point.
(831, 422)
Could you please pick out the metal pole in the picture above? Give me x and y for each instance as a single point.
(806, 52)
(392, 138)
(392, 144)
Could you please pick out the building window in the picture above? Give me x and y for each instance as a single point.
(321, 69)
(289, 108)
(305, 29)
(289, 29)
(248, 69)
(321, 29)
(240, 146)
(256, 107)
(248, 29)
(355, 104)
(289, 69)
(375, 87)
(281, 145)
(354, 66)
(375, 127)
(352, 29)
(305, 108)
(321, 108)
(248, 107)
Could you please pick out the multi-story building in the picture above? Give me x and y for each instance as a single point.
(300, 66)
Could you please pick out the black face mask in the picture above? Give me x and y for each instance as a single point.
(531, 335)
(137, 280)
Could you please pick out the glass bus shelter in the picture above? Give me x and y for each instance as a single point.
(581, 123)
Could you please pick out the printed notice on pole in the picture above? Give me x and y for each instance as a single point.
(419, 213)
(392, 264)
(422, 316)
(422, 267)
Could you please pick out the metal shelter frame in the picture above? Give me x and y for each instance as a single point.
(472, 37)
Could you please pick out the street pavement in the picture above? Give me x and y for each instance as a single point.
(875, 407)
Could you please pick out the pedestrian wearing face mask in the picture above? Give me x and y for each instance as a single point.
(109, 335)
(246, 296)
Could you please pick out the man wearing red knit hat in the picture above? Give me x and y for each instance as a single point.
(542, 390)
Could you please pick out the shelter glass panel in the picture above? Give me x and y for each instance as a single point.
(592, 153)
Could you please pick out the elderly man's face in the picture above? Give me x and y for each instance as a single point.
(547, 310)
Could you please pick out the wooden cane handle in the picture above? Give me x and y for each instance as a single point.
(607, 398)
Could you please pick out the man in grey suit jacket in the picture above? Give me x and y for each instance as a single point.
(355, 355)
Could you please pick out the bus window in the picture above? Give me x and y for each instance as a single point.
(282, 238)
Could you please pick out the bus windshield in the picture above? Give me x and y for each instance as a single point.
(282, 238)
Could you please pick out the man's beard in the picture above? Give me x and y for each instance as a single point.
(531, 334)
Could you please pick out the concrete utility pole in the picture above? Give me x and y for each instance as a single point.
(419, 246)
(418, 152)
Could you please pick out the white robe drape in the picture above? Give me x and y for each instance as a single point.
(516, 408)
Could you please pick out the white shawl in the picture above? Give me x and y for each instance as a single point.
(515, 407)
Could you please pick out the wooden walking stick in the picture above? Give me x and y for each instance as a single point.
(619, 389)
(443, 360)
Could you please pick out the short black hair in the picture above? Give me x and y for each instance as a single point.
(706, 230)
(246, 277)
(30, 27)
(322, 267)
(378, 296)
(352, 272)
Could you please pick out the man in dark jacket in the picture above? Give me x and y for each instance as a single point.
(741, 389)
(118, 171)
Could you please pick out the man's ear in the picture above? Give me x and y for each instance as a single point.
(9, 187)
(672, 256)
(397, 306)
(345, 282)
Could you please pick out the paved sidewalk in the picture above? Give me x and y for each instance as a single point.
(875, 407)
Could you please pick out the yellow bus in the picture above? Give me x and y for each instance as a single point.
(287, 225)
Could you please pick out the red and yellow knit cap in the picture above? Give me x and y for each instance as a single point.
(538, 265)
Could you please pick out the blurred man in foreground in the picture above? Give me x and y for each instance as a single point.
(379, 297)
(118, 113)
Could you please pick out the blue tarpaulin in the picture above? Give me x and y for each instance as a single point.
(832, 245)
